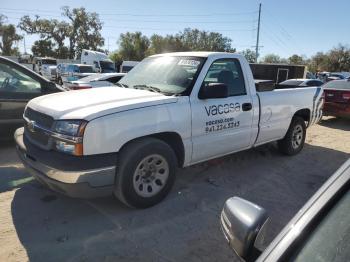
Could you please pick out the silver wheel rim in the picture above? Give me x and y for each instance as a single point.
(151, 175)
(297, 136)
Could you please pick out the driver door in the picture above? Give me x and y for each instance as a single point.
(222, 125)
(16, 89)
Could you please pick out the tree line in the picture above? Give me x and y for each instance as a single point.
(80, 29)
(336, 59)
(135, 46)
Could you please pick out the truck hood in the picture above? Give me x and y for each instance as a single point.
(92, 103)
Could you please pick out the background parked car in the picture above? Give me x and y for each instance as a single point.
(46, 67)
(320, 231)
(18, 85)
(337, 75)
(337, 98)
(299, 82)
(74, 72)
(126, 66)
(96, 80)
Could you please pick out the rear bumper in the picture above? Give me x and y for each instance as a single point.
(336, 109)
(81, 183)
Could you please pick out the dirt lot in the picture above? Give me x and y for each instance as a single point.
(39, 225)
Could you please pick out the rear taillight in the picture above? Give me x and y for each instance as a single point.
(323, 97)
(346, 96)
(80, 87)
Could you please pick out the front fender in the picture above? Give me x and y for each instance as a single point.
(109, 133)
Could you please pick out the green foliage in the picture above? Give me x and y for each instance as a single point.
(296, 60)
(272, 59)
(135, 46)
(43, 48)
(335, 60)
(116, 57)
(250, 55)
(195, 40)
(339, 59)
(9, 37)
(82, 31)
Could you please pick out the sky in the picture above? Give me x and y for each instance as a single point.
(301, 27)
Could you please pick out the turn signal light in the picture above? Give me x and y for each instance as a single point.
(80, 87)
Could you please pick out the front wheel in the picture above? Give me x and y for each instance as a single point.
(145, 172)
(294, 140)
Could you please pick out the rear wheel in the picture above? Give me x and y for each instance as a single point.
(145, 173)
(294, 140)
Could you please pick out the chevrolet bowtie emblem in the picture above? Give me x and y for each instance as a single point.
(31, 126)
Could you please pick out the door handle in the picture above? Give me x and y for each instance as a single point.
(247, 106)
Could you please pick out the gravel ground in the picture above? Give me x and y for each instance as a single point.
(39, 225)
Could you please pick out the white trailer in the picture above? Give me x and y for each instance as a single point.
(100, 61)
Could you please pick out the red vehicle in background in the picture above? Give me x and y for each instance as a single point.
(337, 98)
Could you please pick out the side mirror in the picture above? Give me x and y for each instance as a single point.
(49, 87)
(243, 224)
(213, 90)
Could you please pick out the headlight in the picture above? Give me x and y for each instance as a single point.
(70, 127)
(68, 135)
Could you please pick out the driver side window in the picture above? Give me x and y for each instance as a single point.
(228, 72)
(14, 81)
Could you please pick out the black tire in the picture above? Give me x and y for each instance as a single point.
(130, 159)
(291, 144)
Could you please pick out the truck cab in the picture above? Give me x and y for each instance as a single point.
(98, 60)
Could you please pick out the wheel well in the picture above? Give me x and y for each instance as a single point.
(304, 114)
(173, 139)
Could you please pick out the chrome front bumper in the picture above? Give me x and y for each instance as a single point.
(82, 183)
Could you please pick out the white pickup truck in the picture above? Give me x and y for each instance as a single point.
(172, 110)
(46, 67)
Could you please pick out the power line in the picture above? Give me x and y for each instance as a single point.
(163, 21)
(177, 29)
(284, 31)
(140, 15)
(273, 39)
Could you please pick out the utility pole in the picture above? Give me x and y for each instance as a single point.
(24, 44)
(257, 37)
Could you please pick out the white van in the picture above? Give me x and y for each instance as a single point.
(127, 66)
(98, 60)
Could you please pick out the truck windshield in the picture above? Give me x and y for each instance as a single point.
(48, 61)
(107, 67)
(167, 74)
(85, 69)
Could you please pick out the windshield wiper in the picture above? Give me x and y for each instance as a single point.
(121, 85)
(149, 88)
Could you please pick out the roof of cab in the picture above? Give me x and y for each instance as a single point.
(197, 53)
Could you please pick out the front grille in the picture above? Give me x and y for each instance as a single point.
(38, 136)
(39, 118)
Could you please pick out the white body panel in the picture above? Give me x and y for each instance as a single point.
(119, 115)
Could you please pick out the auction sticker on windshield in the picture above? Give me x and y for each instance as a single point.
(188, 62)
